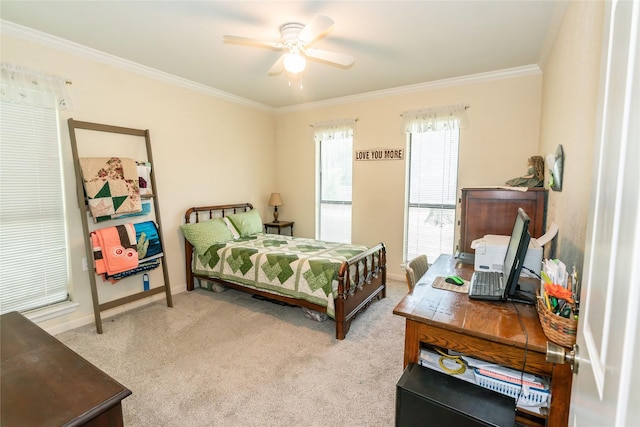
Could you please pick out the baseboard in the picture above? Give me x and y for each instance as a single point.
(90, 318)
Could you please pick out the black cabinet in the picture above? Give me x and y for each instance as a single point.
(425, 397)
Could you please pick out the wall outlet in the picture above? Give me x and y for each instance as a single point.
(85, 266)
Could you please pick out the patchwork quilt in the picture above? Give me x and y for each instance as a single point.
(111, 185)
(292, 266)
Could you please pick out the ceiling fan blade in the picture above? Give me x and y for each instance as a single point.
(328, 56)
(319, 25)
(277, 67)
(253, 42)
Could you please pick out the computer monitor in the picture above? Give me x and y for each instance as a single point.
(516, 252)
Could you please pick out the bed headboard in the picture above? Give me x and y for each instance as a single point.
(203, 213)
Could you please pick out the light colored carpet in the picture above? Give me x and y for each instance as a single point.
(226, 359)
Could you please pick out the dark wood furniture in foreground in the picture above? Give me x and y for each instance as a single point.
(279, 225)
(369, 284)
(44, 383)
(485, 330)
(493, 211)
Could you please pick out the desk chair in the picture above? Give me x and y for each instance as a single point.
(415, 269)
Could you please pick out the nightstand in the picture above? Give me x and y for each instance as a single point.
(279, 225)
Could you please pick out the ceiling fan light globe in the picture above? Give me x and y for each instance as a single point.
(294, 64)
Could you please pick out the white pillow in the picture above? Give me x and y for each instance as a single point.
(231, 228)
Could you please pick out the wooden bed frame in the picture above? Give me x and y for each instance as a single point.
(352, 298)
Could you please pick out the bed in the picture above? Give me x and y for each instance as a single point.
(224, 244)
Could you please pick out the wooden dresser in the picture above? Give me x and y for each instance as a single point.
(45, 383)
(493, 211)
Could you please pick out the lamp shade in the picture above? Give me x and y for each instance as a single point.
(275, 200)
(294, 63)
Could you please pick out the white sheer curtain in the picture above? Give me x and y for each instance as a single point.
(435, 119)
(334, 129)
(21, 85)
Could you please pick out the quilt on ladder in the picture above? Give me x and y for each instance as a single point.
(111, 185)
(291, 266)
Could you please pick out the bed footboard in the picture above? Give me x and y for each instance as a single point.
(360, 280)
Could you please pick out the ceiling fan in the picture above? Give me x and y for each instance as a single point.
(295, 40)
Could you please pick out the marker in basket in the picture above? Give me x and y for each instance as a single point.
(546, 300)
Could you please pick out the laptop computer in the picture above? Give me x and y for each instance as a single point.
(501, 285)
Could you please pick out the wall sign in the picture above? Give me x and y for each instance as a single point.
(380, 154)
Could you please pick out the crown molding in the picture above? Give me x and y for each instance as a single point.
(48, 40)
(420, 87)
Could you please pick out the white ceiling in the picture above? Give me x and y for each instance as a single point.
(395, 43)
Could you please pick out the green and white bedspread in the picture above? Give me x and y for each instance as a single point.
(292, 266)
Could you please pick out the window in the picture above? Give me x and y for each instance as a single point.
(33, 244)
(432, 181)
(432, 189)
(335, 160)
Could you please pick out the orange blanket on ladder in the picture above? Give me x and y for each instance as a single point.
(114, 249)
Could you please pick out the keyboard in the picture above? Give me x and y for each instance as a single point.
(486, 284)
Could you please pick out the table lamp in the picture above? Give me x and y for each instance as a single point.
(275, 200)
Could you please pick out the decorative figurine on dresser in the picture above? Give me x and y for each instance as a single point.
(534, 176)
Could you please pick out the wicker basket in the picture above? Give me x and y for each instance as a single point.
(558, 329)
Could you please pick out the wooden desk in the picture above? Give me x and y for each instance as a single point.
(45, 383)
(486, 330)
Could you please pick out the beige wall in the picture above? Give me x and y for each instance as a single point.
(570, 94)
(502, 133)
(510, 120)
(200, 141)
(204, 153)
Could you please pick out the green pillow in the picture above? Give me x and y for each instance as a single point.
(204, 234)
(247, 223)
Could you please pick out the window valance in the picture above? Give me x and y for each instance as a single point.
(334, 129)
(20, 85)
(436, 118)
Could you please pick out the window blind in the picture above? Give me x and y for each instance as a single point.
(432, 189)
(33, 246)
(335, 184)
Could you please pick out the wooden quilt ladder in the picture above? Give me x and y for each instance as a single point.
(99, 307)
